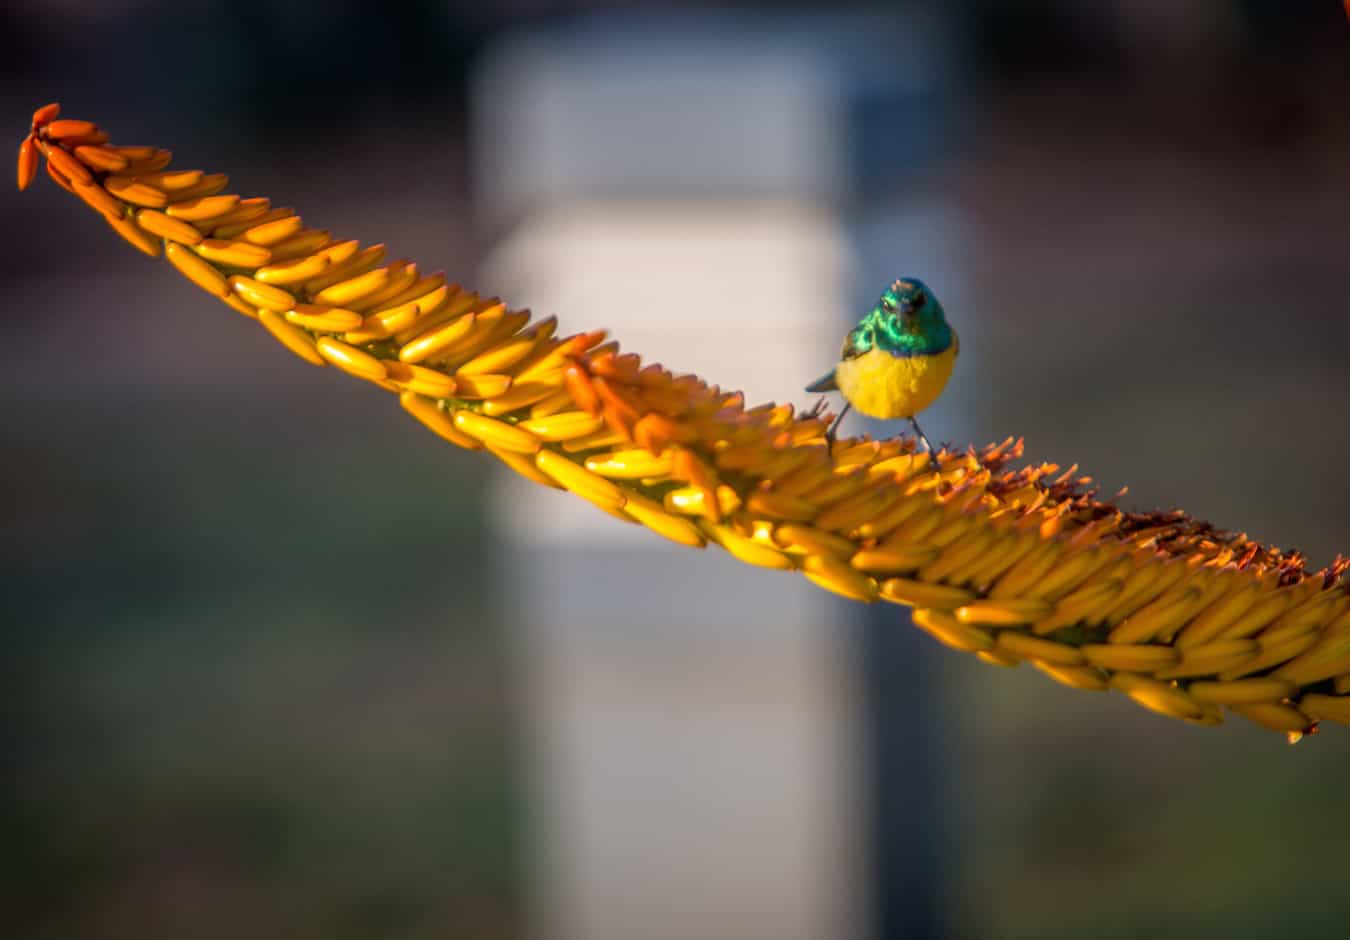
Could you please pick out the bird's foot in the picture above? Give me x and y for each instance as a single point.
(816, 410)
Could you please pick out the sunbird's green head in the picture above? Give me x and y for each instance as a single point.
(907, 321)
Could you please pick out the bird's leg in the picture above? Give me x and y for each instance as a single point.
(932, 457)
(833, 429)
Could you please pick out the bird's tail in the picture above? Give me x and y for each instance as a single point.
(825, 383)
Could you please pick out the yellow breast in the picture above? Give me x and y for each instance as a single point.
(884, 386)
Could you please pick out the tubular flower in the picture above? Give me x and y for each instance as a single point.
(1011, 564)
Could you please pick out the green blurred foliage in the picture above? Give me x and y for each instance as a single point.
(252, 689)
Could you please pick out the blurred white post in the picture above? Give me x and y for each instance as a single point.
(692, 764)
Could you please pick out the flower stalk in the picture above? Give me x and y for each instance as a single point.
(1015, 565)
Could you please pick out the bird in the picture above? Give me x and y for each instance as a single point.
(896, 361)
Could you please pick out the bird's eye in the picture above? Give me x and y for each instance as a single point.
(888, 305)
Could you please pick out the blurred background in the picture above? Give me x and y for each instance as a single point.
(280, 663)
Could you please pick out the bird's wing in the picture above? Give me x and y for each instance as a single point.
(825, 383)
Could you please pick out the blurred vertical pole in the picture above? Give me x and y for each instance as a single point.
(690, 765)
(901, 105)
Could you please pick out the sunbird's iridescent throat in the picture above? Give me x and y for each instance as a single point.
(907, 321)
(897, 360)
